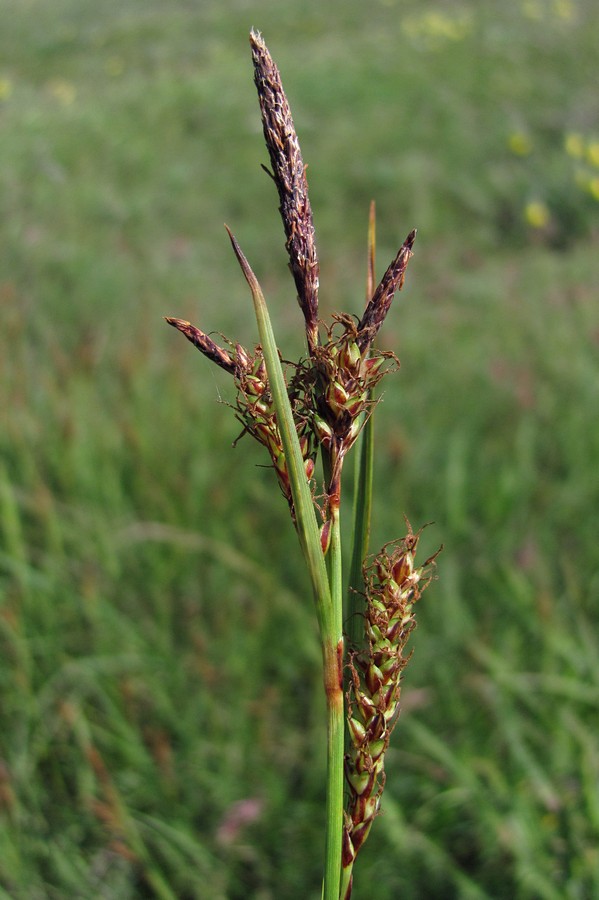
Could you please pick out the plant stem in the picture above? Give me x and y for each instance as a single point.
(335, 715)
(363, 484)
(354, 625)
(334, 798)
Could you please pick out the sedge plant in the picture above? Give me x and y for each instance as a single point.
(319, 408)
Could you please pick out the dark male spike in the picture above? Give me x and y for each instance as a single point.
(289, 175)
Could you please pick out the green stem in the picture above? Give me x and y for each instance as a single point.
(354, 624)
(335, 717)
(363, 482)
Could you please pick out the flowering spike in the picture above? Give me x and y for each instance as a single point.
(207, 346)
(289, 175)
(391, 282)
(375, 681)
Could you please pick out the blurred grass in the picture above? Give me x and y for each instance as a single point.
(158, 654)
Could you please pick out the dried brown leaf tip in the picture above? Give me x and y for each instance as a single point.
(289, 175)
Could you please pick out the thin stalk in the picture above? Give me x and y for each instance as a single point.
(335, 715)
(328, 609)
(363, 483)
(334, 799)
(354, 622)
(354, 626)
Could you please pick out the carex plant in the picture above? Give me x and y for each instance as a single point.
(318, 408)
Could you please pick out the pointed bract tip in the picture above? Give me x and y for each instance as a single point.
(248, 273)
(176, 323)
(236, 248)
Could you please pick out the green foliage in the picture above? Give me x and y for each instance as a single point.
(154, 672)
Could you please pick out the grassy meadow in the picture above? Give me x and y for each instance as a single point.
(161, 710)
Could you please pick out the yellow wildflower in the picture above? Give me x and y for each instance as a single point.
(5, 88)
(574, 144)
(520, 143)
(62, 90)
(537, 214)
(594, 188)
(564, 9)
(435, 28)
(593, 153)
(532, 10)
(581, 179)
(114, 66)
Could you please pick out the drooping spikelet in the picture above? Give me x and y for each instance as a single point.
(254, 405)
(206, 345)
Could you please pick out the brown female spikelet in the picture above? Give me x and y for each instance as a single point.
(393, 585)
(255, 409)
(344, 380)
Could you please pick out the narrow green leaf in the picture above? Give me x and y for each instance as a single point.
(307, 525)
(361, 532)
(363, 482)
